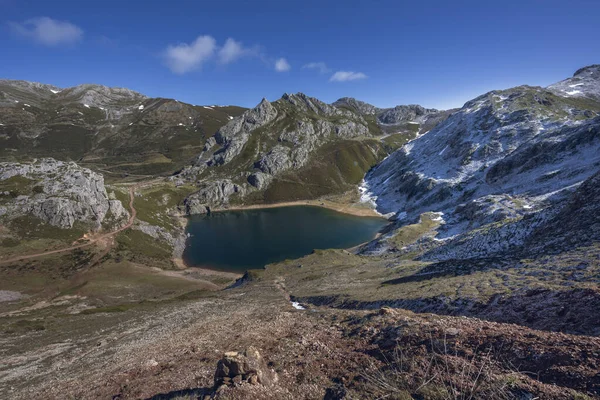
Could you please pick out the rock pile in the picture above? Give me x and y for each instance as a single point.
(236, 368)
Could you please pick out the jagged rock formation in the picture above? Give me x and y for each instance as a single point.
(58, 193)
(113, 128)
(267, 142)
(492, 166)
(397, 118)
(285, 141)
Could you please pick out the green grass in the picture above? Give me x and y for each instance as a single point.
(23, 326)
(30, 227)
(136, 246)
(334, 169)
(16, 186)
(154, 203)
(409, 234)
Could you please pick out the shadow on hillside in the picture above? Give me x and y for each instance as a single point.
(575, 311)
(452, 268)
(197, 393)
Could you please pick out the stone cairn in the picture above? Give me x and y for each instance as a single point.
(248, 367)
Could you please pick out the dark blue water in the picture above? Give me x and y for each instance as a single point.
(247, 239)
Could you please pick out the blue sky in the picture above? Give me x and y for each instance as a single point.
(435, 53)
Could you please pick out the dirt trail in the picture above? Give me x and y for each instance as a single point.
(92, 240)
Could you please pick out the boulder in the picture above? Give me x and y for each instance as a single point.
(260, 180)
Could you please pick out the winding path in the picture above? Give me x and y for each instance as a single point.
(92, 240)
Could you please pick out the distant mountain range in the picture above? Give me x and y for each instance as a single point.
(294, 148)
(112, 128)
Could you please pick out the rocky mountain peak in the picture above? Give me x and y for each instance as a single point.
(585, 83)
(357, 105)
(590, 70)
(102, 96)
(30, 86)
(405, 113)
(308, 104)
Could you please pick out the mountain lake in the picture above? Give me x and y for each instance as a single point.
(248, 239)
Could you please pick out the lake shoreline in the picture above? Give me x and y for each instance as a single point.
(350, 208)
(183, 266)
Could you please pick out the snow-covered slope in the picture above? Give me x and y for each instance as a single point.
(583, 84)
(503, 155)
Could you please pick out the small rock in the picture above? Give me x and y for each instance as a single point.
(452, 331)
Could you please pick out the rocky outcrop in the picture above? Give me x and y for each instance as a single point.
(175, 239)
(409, 113)
(260, 180)
(58, 193)
(248, 367)
(413, 113)
(212, 194)
(233, 136)
(359, 106)
(275, 161)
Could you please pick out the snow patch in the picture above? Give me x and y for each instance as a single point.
(576, 85)
(366, 196)
(26, 105)
(407, 148)
(439, 217)
(230, 117)
(180, 124)
(207, 107)
(573, 92)
(297, 306)
(443, 150)
(86, 106)
(55, 91)
(141, 107)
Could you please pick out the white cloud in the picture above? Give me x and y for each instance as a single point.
(344, 76)
(48, 31)
(185, 57)
(233, 50)
(281, 65)
(319, 66)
